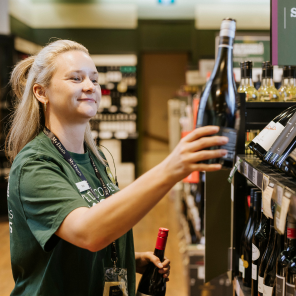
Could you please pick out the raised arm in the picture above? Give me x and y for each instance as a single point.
(95, 228)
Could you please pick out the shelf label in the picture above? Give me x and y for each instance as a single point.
(267, 195)
(254, 177)
(234, 169)
(246, 169)
(281, 210)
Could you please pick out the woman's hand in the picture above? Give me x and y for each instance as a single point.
(143, 259)
(190, 151)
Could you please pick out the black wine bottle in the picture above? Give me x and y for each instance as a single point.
(282, 141)
(289, 164)
(270, 271)
(248, 241)
(291, 147)
(291, 278)
(265, 142)
(152, 282)
(218, 105)
(259, 243)
(285, 257)
(265, 257)
(245, 234)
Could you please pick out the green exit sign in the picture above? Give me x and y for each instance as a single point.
(283, 32)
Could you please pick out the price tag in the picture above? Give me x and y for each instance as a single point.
(267, 195)
(246, 169)
(254, 177)
(234, 169)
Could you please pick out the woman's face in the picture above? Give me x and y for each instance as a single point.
(74, 93)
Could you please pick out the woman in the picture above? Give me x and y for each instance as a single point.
(61, 231)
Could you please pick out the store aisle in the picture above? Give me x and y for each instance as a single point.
(145, 233)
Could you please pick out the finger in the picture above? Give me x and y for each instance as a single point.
(206, 142)
(155, 260)
(201, 132)
(167, 280)
(166, 262)
(205, 155)
(200, 167)
(164, 270)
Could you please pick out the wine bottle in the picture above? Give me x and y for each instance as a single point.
(270, 93)
(270, 271)
(291, 278)
(285, 88)
(267, 138)
(263, 81)
(247, 280)
(283, 140)
(292, 97)
(245, 234)
(218, 104)
(289, 164)
(152, 282)
(285, 257)
(289, 150)
(252, 94)
(241, 87)
(259, 243)
(266, 256)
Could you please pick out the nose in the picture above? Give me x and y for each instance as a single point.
(89, 86)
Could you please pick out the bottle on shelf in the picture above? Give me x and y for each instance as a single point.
(291, 278)
(263, 81)
(218, 104)
(288, 165)
(283, 140)
(241, 88)
(152, 282)
(245, 233)
(285, 88)
(269, 93)
(270, 271)
(252, 94)
(285, 257)
(271, 132)
(259, 244)
(290, 151)
(292, 97)
(266, 256)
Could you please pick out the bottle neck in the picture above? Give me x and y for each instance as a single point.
(249, 81)
(269, 81)
(285, 81)
(160, 254)
(291, 242)
(242, 82)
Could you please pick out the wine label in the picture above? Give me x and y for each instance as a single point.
(260, 284)
(290, 289)
(141, 294)
(254, 271)
(267, 291)
(268, 138)
(262, 133)
(293, 154)
(231, 134)
(241, 267)
(280, 286)
(291, 233)
(255, 253)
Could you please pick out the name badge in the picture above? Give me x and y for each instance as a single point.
(82, 186)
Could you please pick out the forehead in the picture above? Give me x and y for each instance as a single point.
(73, 61)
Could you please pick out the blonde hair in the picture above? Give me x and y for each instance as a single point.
(28, 118)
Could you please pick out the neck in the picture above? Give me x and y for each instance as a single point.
(71, 135)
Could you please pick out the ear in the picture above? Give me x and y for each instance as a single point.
(39, 92)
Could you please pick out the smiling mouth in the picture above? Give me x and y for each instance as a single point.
(89, 100)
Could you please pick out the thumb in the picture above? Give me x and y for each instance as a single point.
(155, 260)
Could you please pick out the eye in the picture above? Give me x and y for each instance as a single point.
(95, 81)
(75, 78)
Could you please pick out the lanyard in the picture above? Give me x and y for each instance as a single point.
(63, 151)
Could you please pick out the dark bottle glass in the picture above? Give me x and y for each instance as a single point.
(259, 243)
(266, 256)
(245, 234)
(283, 140)
(291, 147)
(270, 271)
(152, 282)
(247, 280)
(291, 278)
(285, 257)
(289, 164)
(266, 141)
(218, 105)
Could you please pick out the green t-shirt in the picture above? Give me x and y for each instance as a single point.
(41, 193)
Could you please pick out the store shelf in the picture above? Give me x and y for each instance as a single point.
(261, 174)
(240, 289)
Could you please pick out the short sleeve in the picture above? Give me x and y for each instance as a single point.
(48, 196)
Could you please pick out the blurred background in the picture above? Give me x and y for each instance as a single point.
(153, 58)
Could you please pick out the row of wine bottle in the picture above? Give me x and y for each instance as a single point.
(276, 143)
(267, 91)
(267, 260)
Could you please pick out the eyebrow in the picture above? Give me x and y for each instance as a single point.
(79, 71)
